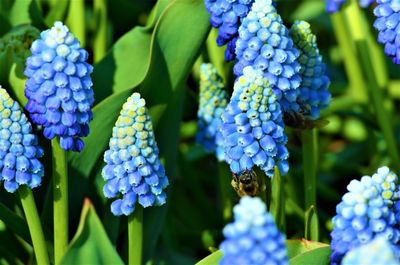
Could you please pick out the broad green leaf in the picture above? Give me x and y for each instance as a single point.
(297, 247)
(15, 223)
(90, 244)
(318, 256)
(21, 12)
(168, 69)
(308, 10)
(56, 13)
(212, 259)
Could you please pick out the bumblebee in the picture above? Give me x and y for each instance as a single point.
(246, 183)
(297, 120)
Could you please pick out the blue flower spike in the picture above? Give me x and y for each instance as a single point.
(252, 128)
(59, 87)
(314, 94)
(213, 100)
(388, 25)
(264, 43)
(378, 251)
(226, 15)
(333, 6)
(19, 149)
(253, 238)
(133, 171)
(368, 210)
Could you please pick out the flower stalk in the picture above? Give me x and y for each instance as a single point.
(135, 236)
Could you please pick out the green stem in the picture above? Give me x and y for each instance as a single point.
(60, 200)
(216, 54)
(351, 63)
(35, 227)
(277, 207)
(100, 39)
(225, 190)
(310, 156)
(360, 35)
(135, 236)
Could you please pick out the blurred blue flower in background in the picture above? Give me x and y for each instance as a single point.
(226, 15)
(253, 238)
(213, 100)
(314, 94)
(59, 87)
(19, 149)
(388, 25)
(133, 168)
(252, 128)
(369, 209)
(378, 251)
(264, 43)
(333, 6)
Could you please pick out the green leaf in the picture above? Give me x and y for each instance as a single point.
(296, 247)
(15, 223)
(318, 256)
(21, 12)
(311, 224)
(57, 13)
(90, 244)
(211, 259)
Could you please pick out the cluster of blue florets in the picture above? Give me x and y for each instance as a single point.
(333, 6)
(19, 150)
(378, 251)
(314, 94)
(226, 15)
(369, 209)
(213, 100)
(59, 87)
(253, 237)
(264, 43)
(388, 25)
(252, 128)
(133, 171)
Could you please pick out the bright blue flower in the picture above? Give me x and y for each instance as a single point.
(133, 172)
(59, 87)
(226, 16)
(213, 100)
(252, 126)
(388, 25)
(369, 209)
(378, 251)
(19, 149)
(265, 44)
(333, 6)
(314, 94)
(253, 237)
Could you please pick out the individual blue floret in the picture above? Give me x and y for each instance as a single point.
(252, 126)
(378, 251)
(133, 171)
(333, 6)
(59, 87)
(253, 237)
(213, 100)
(265, 44)
(314, 94)
(226, 16)
(19, 149)
(369, 209)
(388, 25)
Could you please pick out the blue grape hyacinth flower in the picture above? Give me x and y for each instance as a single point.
(252, 126)
(253, 238)
(314, 94)
(133, 171)
(378, 251)
(264, 43)
(59, 87)
(226, 15)
(213, 100)
(19, 149)
(368, 210)
(333, 6)
(388, 25)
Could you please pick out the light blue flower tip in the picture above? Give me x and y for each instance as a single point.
(59, 87)
(133, 171)
(253, 238)
(19, 149)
